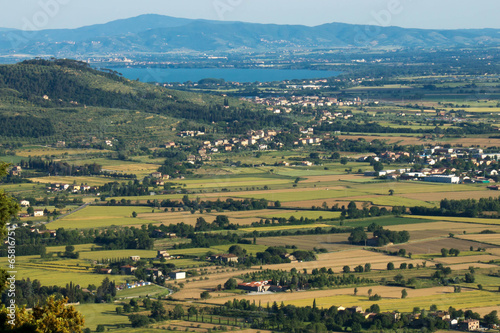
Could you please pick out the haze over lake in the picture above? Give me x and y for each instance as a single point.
(229, 74)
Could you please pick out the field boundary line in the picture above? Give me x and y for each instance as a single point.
(71, 212)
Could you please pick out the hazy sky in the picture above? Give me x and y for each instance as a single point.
(442, 14)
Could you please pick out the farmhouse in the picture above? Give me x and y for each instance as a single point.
(104, 270)
(224, 257)
(16, 171)
(256, 286)
(154, 272)
(164, 255)
(177, 275)
(470, 325)
(156, 175)
(135, 258)
(24, 203)
(127, 269)
(229, 257)
(355, 309)
(38, 213)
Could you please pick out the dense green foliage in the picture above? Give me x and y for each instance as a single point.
(25, 127)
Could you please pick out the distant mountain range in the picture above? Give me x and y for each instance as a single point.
(153, 34)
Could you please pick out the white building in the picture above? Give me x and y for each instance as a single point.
(177, 275)
(24, 203)
(38, 213)
(451, 179)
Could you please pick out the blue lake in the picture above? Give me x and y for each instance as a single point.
(229, 74)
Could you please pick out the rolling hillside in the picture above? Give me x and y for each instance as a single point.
(66, 99)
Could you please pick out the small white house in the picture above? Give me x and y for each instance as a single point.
(24, 203)
(177, 275)
(38, 213)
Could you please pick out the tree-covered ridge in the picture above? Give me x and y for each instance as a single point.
(73, 90)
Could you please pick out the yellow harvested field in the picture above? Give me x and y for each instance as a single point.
(328, 298)
(193, 289)
(435, 246)
(131, 167)
(439, 227)
(460, 267)
(476, 220)
(484, 310)
(495, 251)
(467, 259)
(91, 181)
(352, 258)
(243, 218)
(485, 238)
(437, 196)
(423, 299)
(331, 242)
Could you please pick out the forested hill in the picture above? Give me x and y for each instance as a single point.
(60, 83)
(61, 94)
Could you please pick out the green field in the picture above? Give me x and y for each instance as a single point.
(60, 273)
(152, 290)
(383, 221)
(101, 314)
(102, 216)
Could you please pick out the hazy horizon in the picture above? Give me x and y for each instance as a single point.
(424, 14)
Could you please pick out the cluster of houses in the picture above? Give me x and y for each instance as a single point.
(57, 187)
(259, 286)
(225, 258)
(155, 272)
(434, 155)
(329, 116)
(302, 101)
(260, 137)
(131, 285)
